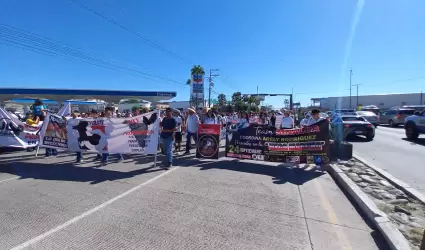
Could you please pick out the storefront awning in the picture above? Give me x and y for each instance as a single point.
(110, 96)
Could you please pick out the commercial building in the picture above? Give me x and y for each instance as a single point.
(382, 101)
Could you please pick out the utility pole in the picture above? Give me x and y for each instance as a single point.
(421, 100)
(351, 74)
(357, 87)
(211, 84)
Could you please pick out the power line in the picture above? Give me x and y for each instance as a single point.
(110, 20)
(15, 37)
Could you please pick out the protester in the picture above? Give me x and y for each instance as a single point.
(178, 134)
(37, 109)
(315, 117)
(169, 126)
(244, 118)
(191, 128)
(79, 155)
(210, 118)
(105, 156)
(304, 121)
(287, 121)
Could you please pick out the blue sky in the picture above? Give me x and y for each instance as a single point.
(276, 45)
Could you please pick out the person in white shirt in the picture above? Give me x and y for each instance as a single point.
(315, 117)
(210, 118)
(191, 128)
(178, 134)
(287, 121)
(304, 121)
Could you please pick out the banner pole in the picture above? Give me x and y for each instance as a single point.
(158, 115)
(38, 148)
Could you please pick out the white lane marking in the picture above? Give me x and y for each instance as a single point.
(89, 212)
(14, 178)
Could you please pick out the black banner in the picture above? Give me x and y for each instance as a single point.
(208, 141)
(265, 143)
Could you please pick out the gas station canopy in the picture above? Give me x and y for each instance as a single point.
(61, 95)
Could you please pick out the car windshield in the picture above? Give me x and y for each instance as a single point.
(352, 118)
(366, 113)
(406, 111)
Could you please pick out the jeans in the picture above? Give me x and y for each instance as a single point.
(51, 152)
(167, 144)
(105, 157)
(79, 156)
(189, 135)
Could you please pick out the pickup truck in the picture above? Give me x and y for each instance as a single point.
(414, 125)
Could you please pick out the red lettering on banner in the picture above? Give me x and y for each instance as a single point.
(133, 121)
(139, 132)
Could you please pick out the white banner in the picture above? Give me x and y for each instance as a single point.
(136, 135)
(15, 133)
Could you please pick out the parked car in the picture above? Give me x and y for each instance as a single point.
(370, 117)
(354, 125)
(414, 125)
(395, 117)
(417, 108)
(371, 108)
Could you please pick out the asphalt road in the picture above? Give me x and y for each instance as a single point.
(391, 151)
(54, 204)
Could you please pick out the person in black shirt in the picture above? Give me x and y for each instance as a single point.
(169, 126)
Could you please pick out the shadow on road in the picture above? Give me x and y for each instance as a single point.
(388, 126)
(281, 174)
(67, 171)
(419, 141)
(356, 138)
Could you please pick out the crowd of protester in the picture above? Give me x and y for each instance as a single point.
(176, 123)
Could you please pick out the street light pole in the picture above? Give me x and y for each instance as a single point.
(351, 74)
(357, 88)
(211, 84)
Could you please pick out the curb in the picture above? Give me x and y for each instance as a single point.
(412, 192)
(393, 237)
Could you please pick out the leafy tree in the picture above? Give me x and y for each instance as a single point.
(254, 108)
(188, 82)
(229, 108)
(134, 108)
(144, 110)
(221, 98)
(237, 98)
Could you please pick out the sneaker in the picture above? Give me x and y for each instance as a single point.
(186, 153)
(79, 161)
(318, 167)
(104, 164)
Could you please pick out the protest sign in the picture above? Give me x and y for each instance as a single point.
(208, 141)
(281, 145)
(136, 135)
(15, 133)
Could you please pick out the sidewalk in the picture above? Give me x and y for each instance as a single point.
(199, 205)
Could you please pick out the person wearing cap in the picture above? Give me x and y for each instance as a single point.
(169, 126)
(192, 123)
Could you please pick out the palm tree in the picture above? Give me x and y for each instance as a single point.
(197, 69)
